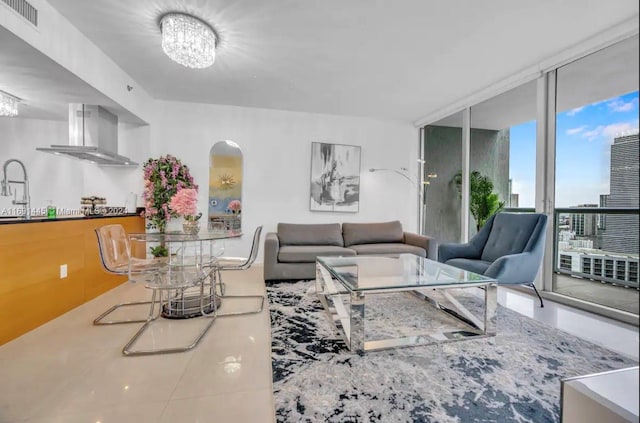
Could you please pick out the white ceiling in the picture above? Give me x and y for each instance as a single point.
(45, 87)
(400, 59)
(602, 75)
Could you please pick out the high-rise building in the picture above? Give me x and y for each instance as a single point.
(584, 224)
(621, 230)
(512, 198)
(602, 219)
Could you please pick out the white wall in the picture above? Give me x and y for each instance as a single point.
(277, 155)
(116, 183)
(49, 177)
(64, 180)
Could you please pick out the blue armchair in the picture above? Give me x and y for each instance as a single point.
(508, 248)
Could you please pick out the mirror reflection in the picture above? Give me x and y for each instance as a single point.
(225, 186)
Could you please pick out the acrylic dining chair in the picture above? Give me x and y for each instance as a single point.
(238, 263)
(115, 255)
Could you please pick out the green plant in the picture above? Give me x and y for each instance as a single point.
(159, 251)
(483, 202)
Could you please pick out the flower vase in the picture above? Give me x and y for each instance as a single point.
(191, 227)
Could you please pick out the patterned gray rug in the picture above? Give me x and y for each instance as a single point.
(513, 377)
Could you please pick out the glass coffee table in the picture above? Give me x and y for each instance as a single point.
(343, 285)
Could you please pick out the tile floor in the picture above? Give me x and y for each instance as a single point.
(71, 371)
(614, 296)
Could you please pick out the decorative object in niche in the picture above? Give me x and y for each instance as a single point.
(225, 186)
(335, 177)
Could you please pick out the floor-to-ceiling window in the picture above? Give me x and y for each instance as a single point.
(596, 217)
(442, 155)
(564, 143)
(503, 147)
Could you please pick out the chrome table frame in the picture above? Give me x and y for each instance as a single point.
(201, 304)
(349, 321)
(157, 298)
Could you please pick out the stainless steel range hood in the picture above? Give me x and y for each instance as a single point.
(93, 136)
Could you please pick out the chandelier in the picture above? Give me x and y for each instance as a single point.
(8, 105)
(188, 40)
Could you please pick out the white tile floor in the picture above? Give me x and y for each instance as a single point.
(71, 371)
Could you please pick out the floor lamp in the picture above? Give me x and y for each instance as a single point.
(421, 189)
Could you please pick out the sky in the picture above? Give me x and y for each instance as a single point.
(583, 139)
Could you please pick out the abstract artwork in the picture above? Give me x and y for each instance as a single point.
(335, 177)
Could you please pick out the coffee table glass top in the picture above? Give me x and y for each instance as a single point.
(362, 273)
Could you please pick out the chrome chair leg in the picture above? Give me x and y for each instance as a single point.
(128, 348)
(224, 296)
(98, 320)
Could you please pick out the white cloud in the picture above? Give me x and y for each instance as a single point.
(617, 105)
(575, 111)
(617, 129)
(574, 131)
(609, 132)
(594, 133)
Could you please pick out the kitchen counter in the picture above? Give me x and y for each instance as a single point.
(41, 219)
(34, 259)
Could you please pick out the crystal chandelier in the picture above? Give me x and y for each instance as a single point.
(8, 105)
(188, 40)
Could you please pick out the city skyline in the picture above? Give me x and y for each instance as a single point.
(584, 136)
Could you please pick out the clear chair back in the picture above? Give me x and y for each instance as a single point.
(114, 248)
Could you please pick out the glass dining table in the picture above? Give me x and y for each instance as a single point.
(183, 284)
(189, 256)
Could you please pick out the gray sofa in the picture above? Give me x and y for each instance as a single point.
(290, 253)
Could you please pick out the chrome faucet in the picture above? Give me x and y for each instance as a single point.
(6, 187)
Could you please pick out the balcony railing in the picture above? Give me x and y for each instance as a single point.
(597, 243)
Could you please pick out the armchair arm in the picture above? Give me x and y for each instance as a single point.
(515, 268)
(450, 251)
(429, 244)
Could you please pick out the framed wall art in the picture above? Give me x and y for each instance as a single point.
(335, 177)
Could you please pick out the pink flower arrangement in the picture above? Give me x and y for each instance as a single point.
(163, 178)
(235, 206)
(184, 203)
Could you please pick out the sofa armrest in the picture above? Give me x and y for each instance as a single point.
(428, 243)
(517, 268)
(271, 247)
(450, 251)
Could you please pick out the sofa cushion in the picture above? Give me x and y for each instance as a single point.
(388, 249)
(311, 234)
(308, 253)
(509, 234)
(372, 233)
(475, 266)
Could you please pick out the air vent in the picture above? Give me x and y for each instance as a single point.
(25, 9)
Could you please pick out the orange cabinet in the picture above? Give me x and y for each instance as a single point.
(31, 290)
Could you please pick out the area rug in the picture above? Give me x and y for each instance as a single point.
(512, 377)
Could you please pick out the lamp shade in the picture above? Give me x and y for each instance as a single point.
(188, 40)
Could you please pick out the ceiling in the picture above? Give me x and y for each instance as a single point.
(398, 59)
(44, 87)
(602, 75)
